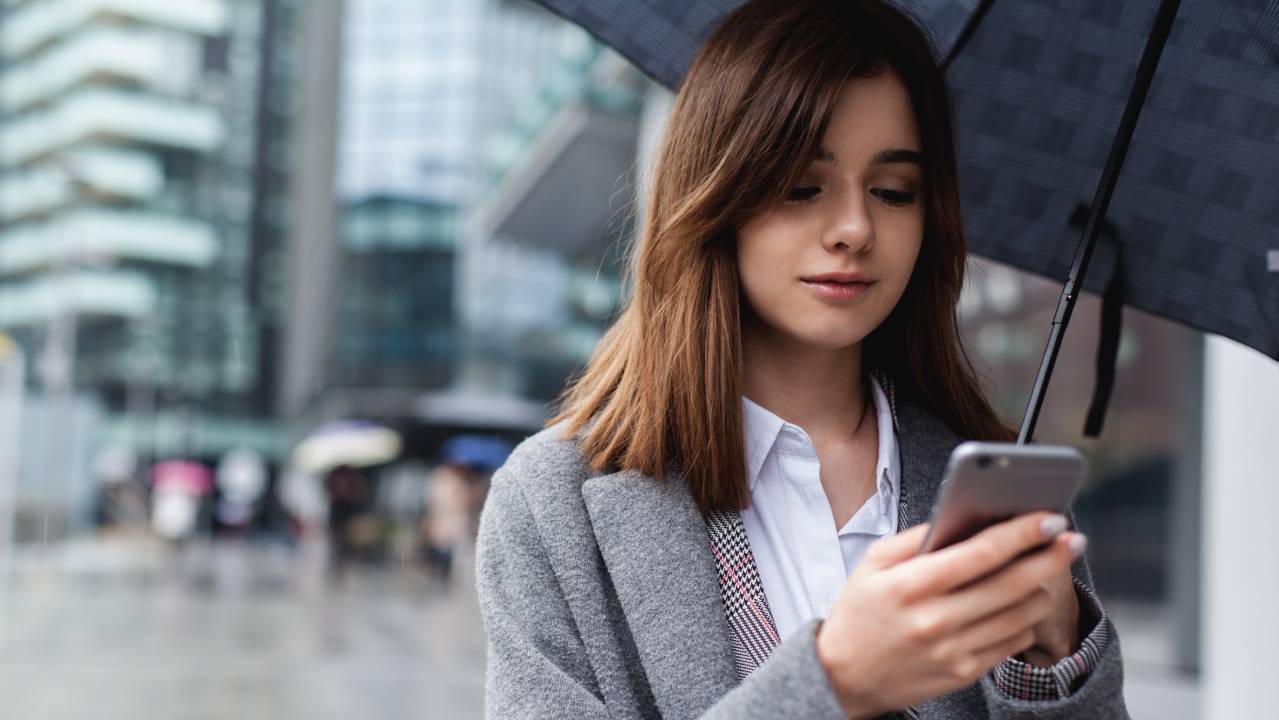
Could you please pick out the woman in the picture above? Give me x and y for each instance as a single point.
(708, 528)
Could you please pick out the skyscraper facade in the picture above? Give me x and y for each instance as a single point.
(143, 151)
(542, 271)
(399, 117)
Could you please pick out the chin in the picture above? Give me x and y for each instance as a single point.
(832, 338)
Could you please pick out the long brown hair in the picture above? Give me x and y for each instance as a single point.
(662, 390)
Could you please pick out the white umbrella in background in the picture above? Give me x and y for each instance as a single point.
(357, 443)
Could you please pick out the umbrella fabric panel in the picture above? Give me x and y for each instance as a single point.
(659, 36)
(1039, 92)
(662, 36)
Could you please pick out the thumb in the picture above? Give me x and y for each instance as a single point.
(888, 551)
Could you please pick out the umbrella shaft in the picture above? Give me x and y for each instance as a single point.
(1041, 382)
(1105, 188)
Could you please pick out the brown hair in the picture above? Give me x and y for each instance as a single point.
(662, 390)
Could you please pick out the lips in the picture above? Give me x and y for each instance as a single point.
(840, 285)
(839, 277)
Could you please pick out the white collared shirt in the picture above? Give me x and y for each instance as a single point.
(803, 560)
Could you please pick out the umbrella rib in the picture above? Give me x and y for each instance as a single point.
(970, 27)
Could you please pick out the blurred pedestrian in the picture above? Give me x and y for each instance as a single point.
(349, 494)
(447, 520)
(179, 488)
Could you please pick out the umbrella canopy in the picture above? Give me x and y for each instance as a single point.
(1191, 231)
(357, 443)
(662, 36)
(479, 451)
(182, 476)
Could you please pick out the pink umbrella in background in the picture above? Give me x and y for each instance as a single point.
(175, 504)
(182, 476)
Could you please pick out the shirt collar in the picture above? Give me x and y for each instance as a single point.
(888, 464)
(762, 429)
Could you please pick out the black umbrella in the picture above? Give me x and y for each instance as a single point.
(1048, 97)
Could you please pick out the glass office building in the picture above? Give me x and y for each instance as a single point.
(400, 119)
(542, 272)
(143, 163)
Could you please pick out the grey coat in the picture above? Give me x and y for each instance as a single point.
(601, 599)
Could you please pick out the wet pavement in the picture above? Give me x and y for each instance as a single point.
(106, 630)
(234, 631)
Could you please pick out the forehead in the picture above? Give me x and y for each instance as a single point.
(871, 115)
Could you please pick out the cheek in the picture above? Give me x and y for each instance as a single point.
(760, 267)
(903, 261)
(757, 283)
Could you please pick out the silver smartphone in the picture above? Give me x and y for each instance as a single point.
(987, 483)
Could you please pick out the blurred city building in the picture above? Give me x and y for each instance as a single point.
(541, 271)
(411, 301)
(143, 165)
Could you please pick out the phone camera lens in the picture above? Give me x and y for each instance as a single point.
(983, 461)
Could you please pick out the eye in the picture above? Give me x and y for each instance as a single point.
(894, 197)
(800, 194)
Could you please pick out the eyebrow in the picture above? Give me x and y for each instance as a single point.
(883, 157)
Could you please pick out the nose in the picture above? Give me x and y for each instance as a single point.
(850, 230)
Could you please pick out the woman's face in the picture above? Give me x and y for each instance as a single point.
(826, 266)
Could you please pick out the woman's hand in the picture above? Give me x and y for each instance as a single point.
(907, 628)
(1057, 635)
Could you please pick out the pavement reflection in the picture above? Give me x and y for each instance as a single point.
(132, 630)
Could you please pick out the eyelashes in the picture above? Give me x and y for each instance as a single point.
(803, 193)
(894, 198)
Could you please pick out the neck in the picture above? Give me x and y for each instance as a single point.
(820, 390)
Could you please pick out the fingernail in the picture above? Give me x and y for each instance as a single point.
(1078, 544)
(1053, 525)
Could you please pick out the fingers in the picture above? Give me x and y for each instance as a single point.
(967, 664)
(1000, 626)
(962, 563)
(889, 551)
(1009, 585)
(995, 642)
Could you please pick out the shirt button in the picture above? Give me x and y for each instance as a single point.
(830, 603)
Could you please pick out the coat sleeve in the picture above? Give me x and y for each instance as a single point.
(538, 666)
(1088, 683)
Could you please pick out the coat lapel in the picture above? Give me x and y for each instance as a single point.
(750, 621)
(924, 443)
(653, 541)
